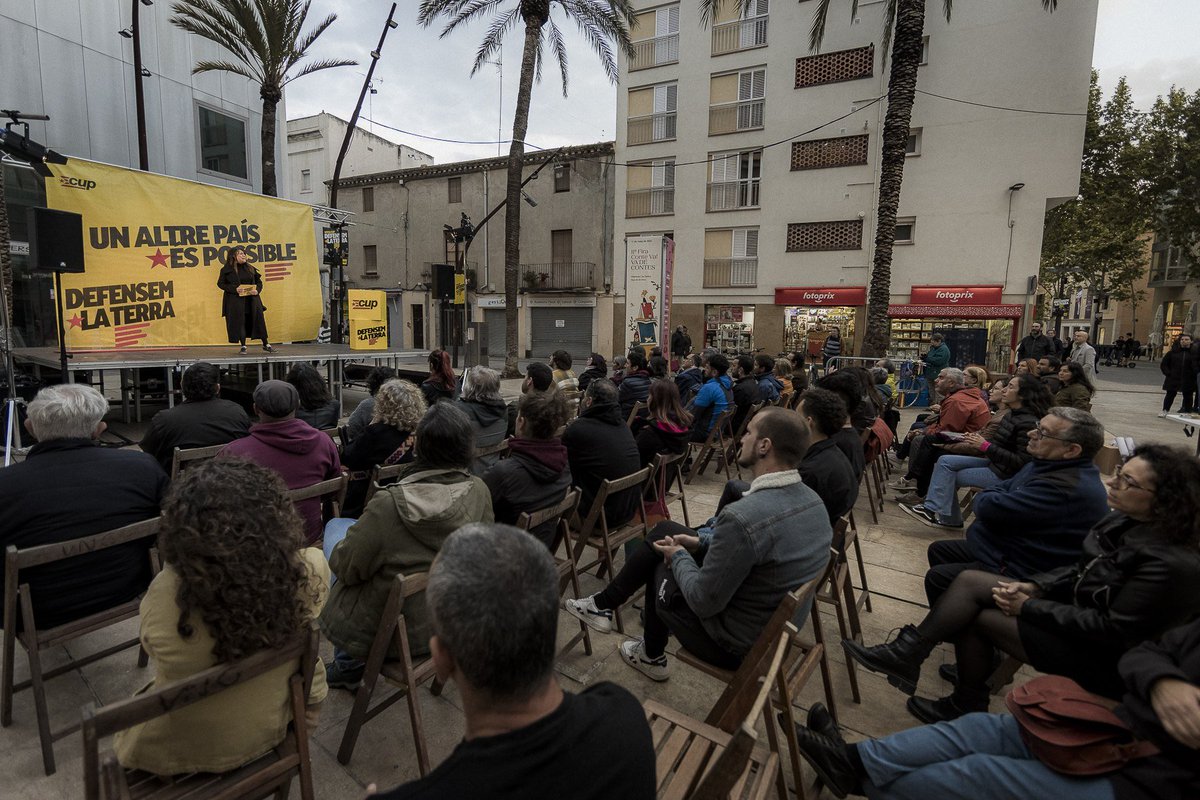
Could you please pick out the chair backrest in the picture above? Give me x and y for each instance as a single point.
(719, 425)
(607, 489)
(660, 474)
(180, 457)
(841, 526)
(633, 412)
(98, 723)
(499, 448)
(392, 627)
(332, 491)
(562, 511)
(750, 412)
(380, 477)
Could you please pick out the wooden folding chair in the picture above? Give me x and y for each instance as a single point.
(568, 575)
(181, 458)
(735, 443)
(381, 477)
(332, 493)
(404, 673)
(633, 412)
(271, 772)
(499, 449)
(666, 470)
(593, 530)
(343, 433)
(701, 760)
(714, 444)
(966, 504)
(784, 400)
(838, 591)
(19, 600)
(864, 601)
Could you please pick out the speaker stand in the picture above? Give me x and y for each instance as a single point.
(62, 334)
(12, 427)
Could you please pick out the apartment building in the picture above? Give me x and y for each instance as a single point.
(760, 159)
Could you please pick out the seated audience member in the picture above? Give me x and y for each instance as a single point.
(597, 367)
(635, 386)
(783, 374)
(848, 439)
(360, 418)
(493, 604)
(538, 378)
(564, 376)
(714, 397)
(1137, 577)
(849, 386)
(885, 389)
(600, 447)
(690, 377)
(986, 755)
(1048, 367)
(724, 584)
(1027, 366)
(400, 533)
(68, 488)
(1036, 520)
(963, 409)
(666, 427)
(236, 579)
(658, 368)
(397, 409)
(824, 468)
(300, 453)
(994, 455)
(619, 364)
(797, 375)
(1077, 389)
(888, 366)
(769, 386)
(203, 419)
(746, 391)
(535, 474)
(317, 406)
(482, 404)
(441, 383)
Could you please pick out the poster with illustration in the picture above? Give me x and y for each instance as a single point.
(647, 289)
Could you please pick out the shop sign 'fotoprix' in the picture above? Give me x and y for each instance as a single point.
(957, 295)
(821, 296)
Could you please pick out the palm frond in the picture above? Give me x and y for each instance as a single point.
(948, 6)
(429, 10)
(596, 37)
(816, 31)
(889, 25)
(555, 37)
(315, 66)
(493, 40)
(1050, 5)
(224, 66)
(305, 41)
(600, 22)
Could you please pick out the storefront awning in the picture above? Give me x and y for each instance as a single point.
(1001, 311)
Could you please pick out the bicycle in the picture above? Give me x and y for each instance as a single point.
(911, 387)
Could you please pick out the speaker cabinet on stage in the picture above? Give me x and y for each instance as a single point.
(443, 281)
(55, 240)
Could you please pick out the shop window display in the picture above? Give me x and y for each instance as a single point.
(729, 328)
(807, 327)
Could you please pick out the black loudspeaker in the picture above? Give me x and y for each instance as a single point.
(55, 240)
(443, 281)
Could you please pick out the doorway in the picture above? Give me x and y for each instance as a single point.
(418, 326)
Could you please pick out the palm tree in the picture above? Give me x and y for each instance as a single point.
(600, 21)
(266, 38)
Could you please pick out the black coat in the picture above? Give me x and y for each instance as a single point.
(534, 476)
(202, 423)
(652, 439)
(600, 447)
(376, 444)
(1179, 369)
(1129, 586)
(850, 442)
(827, 471)
(746, 392)
(1035, 347)
(635, 387)
(591, 374)
(1008, 450)
(326, 416)
(243, 315)
(681, 343)
(70, 488)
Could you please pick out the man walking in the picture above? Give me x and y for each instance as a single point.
(1084, 354)
(1035, 345)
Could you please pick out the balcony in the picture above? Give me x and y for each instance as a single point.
(744, 115)
(651, 202)
(1162, 276)
(730, 273)
(743, 34)
(651, 128)
(566, 276)
(731, 195)
(655, 52)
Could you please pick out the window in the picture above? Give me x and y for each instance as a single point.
(562, 177)
(730, 258)
(370, 261)
(651, 188)
(734, 180)
(905, 228)
(222, 144)
(736, 101)
(306, 180)
(454, 189)
(752, 87)
(745, 31)
(913, 146)
(560, 246)
(368, 198)
(924, 50)
(652, 114)
(655, 36)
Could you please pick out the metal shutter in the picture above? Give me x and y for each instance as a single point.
(494, 317)
(575, 336)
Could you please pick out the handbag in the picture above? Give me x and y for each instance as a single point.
(1071, 730)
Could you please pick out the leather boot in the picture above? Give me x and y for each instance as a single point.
(900, 660)
(827, 756)
(947, 708)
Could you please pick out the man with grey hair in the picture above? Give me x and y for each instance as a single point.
(493, 602)
(481, 402)
(69, 488)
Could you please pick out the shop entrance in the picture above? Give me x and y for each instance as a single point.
(971, 341)
(807, 327)
(729, 329)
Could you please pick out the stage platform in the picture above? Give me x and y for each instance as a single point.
(130, 362)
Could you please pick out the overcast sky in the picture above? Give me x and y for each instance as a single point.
(424, 86)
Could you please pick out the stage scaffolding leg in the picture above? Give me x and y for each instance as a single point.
(124, 378)
(170, 387)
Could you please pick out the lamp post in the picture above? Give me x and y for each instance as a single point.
(139, 93)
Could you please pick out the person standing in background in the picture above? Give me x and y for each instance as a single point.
(242, 306)
(832, 347)
(1084, 354)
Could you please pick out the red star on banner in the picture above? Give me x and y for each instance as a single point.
(76, 321)
(159, 259)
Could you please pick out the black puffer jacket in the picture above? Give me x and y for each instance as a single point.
(654, 437)
(1007, 452)
(1178, 369)
(489, 418)
(533, 477)
(635, 386)
(591, 374)
(600, 447)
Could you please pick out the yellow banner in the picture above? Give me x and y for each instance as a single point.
(368, 334)
(153, 247)
(367, 304)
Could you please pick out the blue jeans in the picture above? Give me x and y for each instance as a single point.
(980, 756)
(335, 530)
(951, 472)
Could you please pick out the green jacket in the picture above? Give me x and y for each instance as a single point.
(937, 359)
(1074, 395)
(399, 533)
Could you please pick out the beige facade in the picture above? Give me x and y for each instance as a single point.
(566, 247)
(751, 134)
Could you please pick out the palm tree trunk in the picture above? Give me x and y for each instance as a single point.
(271, 96)
(902, 89)
(512, 206)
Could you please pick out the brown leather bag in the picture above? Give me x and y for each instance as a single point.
(1071, 730)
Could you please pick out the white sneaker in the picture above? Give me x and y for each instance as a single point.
(634, 653)
(1162, 413)
(585, 609)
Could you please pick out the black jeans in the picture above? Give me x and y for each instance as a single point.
(1189, 399)
(644, 568)
(922, 458)
(947, 559)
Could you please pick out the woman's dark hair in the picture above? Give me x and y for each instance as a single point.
(233, 536)
(599, 362)
(1078, 375)
(311, 386)
(658, 367)
(1176, 492)
(560, 359)
(231, 258)
(797, 359)
(377, 377)
(637, 359)
(847, 385)
(867, 382)
(445, 438)
(440, 373)
(665, 404)
(200, 381)
(1033, 395)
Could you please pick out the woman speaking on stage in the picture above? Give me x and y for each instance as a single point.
(242, 307)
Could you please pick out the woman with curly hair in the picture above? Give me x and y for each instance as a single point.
(1027, 366)
(317, 406)
(1137, 577)
(441, 383)
(361, 418)
(1077, 390)
(399, 406)
(235, 581)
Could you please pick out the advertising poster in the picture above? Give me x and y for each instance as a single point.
(644, 290)
(368, 319)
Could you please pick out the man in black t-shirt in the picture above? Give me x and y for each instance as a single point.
(493, 600)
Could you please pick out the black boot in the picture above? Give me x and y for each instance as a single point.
(827, 755)
(947, 708)
(821, 721)
(900, 660)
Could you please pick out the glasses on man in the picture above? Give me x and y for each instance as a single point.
(1041, 433)
(1123, 481)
